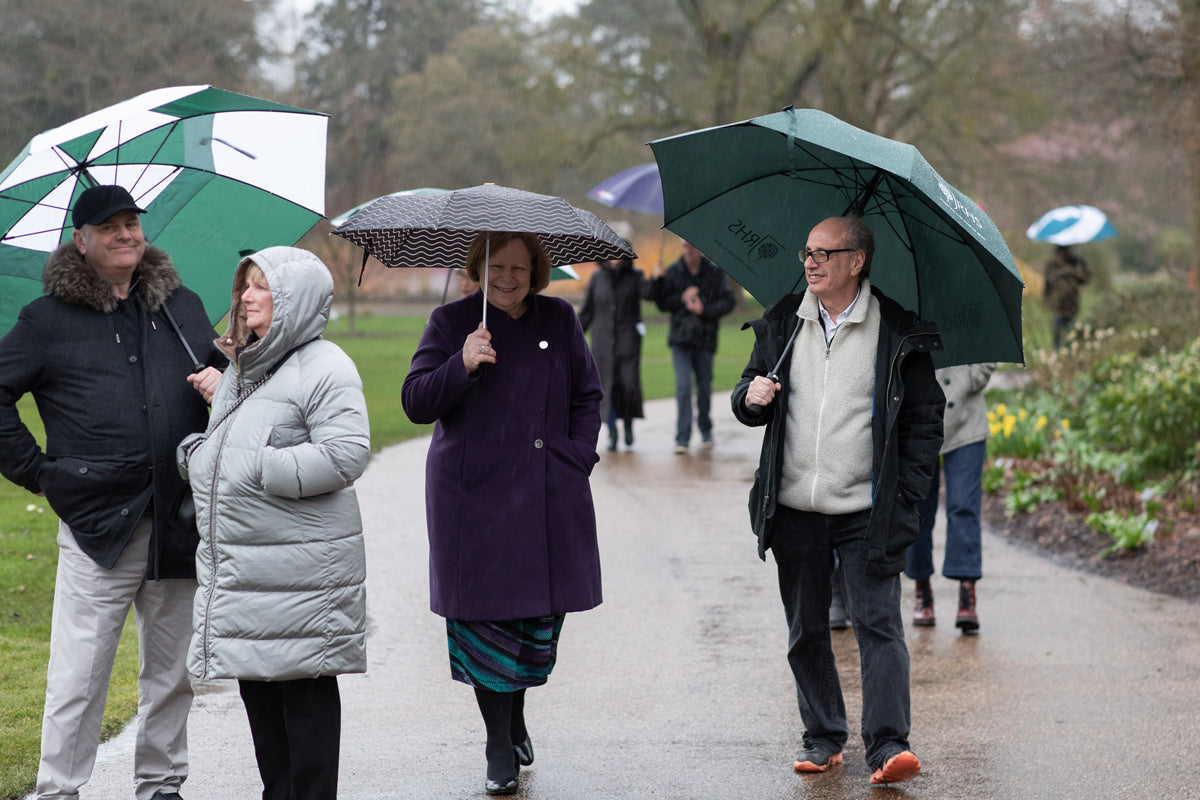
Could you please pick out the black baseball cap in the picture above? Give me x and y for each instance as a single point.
(99, 203)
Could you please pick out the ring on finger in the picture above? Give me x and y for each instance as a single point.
(482, 348)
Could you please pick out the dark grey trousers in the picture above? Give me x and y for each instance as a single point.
(803, 545)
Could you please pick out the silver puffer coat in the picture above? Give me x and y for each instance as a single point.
(281, 564)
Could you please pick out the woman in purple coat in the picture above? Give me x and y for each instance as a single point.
(512, 529)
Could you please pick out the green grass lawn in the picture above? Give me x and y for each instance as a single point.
(382, 348)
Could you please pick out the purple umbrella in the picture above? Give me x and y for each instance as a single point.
(636, 189)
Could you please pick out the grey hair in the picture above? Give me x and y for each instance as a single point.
(860, 238)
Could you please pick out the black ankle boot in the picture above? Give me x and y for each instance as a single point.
(502, 767)
(520, 734)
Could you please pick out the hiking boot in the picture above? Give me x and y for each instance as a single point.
(816, 758)
(923, 611)
(901, 767)
(967, 620)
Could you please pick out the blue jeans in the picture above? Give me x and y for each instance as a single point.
(803, 546)
(687, 361)
(963, 560)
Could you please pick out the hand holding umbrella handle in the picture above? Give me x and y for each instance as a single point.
(755, 408)
(773, 375)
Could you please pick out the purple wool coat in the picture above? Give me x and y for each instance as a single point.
(512, 529)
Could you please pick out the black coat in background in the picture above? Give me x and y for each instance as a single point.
(687, 329)
(612, 312)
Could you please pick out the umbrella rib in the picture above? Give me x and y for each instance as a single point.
(77, 168)
(161, 143)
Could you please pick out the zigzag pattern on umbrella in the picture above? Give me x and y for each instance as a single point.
(436, 229)
(448, 248)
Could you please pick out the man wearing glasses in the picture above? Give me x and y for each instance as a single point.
(843, 380)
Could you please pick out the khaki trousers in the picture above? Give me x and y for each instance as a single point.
(90, 607)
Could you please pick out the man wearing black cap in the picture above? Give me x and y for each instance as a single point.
(116, 389)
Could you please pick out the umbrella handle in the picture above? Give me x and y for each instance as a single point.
(773, 375)
(487, 257)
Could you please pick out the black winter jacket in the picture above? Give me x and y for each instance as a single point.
(906, 425)
(109, 378)
(688, 329)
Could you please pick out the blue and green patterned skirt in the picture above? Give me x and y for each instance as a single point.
(505, 655)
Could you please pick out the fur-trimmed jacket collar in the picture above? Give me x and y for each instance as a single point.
(68, 277)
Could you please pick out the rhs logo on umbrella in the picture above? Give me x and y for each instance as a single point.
(760, 246)
(959, 208)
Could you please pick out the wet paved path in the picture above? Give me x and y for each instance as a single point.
(677, 687)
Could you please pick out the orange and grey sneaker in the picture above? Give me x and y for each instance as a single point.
(816, 759)
(903, 766)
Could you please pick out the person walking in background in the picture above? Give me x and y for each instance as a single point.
(696, 293)
(100, 354)
(612, 311)
(1066, 273)
(964, 449)
(853, 426)
(512, 529)
(466, 286)
(281, 604)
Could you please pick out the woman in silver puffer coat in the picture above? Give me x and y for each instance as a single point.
(281, 604)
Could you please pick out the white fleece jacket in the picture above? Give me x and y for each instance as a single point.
(827, 452)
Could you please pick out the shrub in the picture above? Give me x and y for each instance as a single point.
(1132, 307)
(1126, 532)
(1146, 406)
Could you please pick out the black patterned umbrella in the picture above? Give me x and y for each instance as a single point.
(435, 229)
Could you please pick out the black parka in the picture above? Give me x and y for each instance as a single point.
(695, 332)
(906, 425)
(109, 377)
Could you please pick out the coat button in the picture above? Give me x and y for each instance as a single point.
(83, 470)
(538, 443)
(124, 512)
(133, 359)
(543, 344)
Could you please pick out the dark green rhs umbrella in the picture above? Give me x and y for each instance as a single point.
(748, 194)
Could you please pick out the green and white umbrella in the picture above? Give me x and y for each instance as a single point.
(218, 173)
(747, 195)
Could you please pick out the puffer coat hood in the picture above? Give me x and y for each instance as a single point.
(302, 295)
(281, 565)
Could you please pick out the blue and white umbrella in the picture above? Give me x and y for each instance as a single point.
(1071, 225)
(636, 189)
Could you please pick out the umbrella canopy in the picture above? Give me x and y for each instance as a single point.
(1069, 225)
(563, 273)
(218, 173)
(635, 189)
(748, 194)
(435, 229)
(345, 215)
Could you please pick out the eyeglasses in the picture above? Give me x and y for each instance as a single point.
(821, 256)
